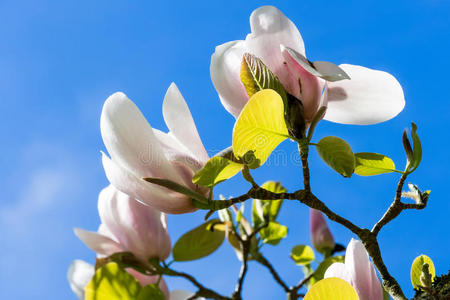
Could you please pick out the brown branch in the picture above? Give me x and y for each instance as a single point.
(262, 260)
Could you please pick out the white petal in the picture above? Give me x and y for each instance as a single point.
(225, 72)
(179, 120)
(97, 242)
(338, 270)
(182, 295)
(130, 141)
(160, 198)
(79, 275)
(369, 97)
(358, 264)
(136, 226)
(377, 289)
(271, 29)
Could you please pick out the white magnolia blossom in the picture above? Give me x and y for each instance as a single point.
(359, 271)
(182, 295)
(369, 97)
(127, 226)
(80, 274)
(138, 151)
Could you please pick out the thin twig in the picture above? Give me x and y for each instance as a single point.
(245, 245)
(262, 260)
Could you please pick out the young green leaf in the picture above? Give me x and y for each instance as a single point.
(112, 282)
(216, 170)
(260, 127)
(417, 148)
(332, 289)
(338, 154)
(416, 270)
(369, 164)
(273, 233)
(267, 209)
(198, 243)
(256, 76)
(302, 254)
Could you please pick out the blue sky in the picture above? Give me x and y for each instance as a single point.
(59, 60)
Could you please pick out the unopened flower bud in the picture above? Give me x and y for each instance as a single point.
(321, 237)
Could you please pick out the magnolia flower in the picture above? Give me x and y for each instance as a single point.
(358, 271)
(369, 97)
(321, 237)
(137, 151)
(182, 295)
(127, 226)
(80, 274)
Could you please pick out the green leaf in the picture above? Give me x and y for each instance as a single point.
(319, 273)
(216, 170)
(416, 270)
(302, 254)
(322, 69)
(417, 148)
(260, 127)
(267, 209)
(256, 76)
(198, 243)
(332, 289)
(338, 154)
(369, 164)
(273, 233)
(178, 188)
(110, 282)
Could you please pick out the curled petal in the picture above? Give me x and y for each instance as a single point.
(98, 243)
(225, 72)
(369, 97)
(179, 121)
(79, 275)
(160, 198)
(130, 141)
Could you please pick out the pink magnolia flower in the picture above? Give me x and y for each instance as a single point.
(358, 271)
(137, 151)
(80, 274)
(127, 226)
(321, 237)
(369, 97)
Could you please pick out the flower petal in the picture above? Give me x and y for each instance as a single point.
(377, 289)
(182, 295)
(369, 97)
(225, 72)
(358, 264)
(160, 198)
(130, 141)
(137, 227)
(97, 242)
(338, 270)
(271, 29)
(301, 83)
(79, 275)
(321, 237)
(179, 120)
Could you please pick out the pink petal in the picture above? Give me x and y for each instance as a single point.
(146, 280)
(369, 97)
(321, 237)
(225, 72)
(137, 227)
(179, 121)
(358, 264)
(97, 242)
